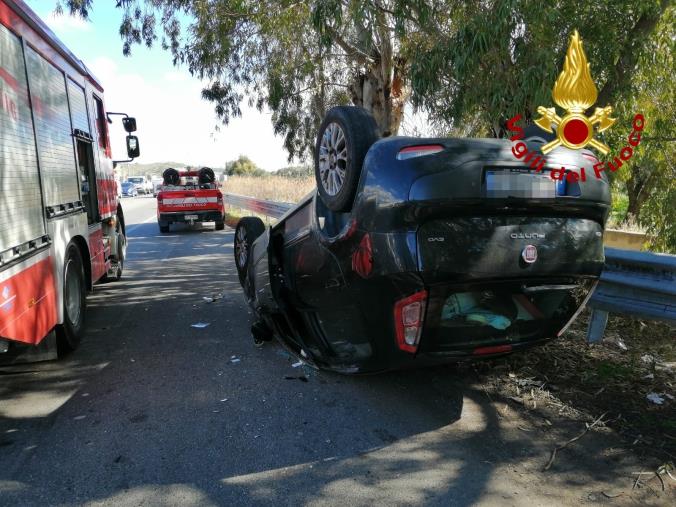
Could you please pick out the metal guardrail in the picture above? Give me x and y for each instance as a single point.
(640, 284)
(268, 208)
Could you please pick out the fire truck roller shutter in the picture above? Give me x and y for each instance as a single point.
(171, 177)
(53, 129)
(21, 215)
(78, 107)
(206, 176)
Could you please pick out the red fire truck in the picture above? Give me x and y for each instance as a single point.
(189, 196)
(61, 224)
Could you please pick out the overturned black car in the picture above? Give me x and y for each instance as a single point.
(421, 251)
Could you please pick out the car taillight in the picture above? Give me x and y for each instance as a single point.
(409, 316)
(419, 151)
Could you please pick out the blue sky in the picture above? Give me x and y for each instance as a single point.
(174, 123)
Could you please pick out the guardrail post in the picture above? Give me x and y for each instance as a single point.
(597, 326)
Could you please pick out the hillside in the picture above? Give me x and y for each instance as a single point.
(153, 169)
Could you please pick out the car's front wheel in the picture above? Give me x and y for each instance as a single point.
(345, 136)
(246, 232)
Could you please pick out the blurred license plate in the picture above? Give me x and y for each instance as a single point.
(191, 217)
(501, 183)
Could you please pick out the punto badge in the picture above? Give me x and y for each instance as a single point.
(530, 254)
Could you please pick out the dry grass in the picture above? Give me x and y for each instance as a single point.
(272, 188)
(614, 377)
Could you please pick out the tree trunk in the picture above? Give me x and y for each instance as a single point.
(639, 187)
(383, 96)
(626, 64)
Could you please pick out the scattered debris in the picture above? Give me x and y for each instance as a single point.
(655, 398)
(79, 417)
(234, 359)
(211, 299)
(224, 399)
(650, 376)
(574, 439)
(296, 365)
(647, 359)
(621, 344)
(200, 325)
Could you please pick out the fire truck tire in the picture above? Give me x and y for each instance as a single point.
(171, 176)
(206, 175)
(164, 228)
(220, 225)
(246, 232)
(70, 332)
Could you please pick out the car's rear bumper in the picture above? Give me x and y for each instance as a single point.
(186, 216)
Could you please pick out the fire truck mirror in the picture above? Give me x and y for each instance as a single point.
(129, 124)
(133, 149)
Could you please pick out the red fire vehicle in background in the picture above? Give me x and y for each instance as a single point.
(189, 196)
(61, 224)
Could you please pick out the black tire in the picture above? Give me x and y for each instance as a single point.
(220, 225)
(69, 334)
(206, 176)
(171, 177)
(164, 228)
(344, 138)
(246, 232)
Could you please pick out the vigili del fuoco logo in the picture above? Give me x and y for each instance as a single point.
(575, 92)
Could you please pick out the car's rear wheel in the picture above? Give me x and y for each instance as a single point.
(70, 332)
(345, 136)
(246, 232)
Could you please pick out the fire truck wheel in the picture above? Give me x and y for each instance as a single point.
(69, 333)
(164, 228)
(220, 225)
(246, 232)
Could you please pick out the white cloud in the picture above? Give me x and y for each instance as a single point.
(65, 22)
(175, 124)
(175, 76)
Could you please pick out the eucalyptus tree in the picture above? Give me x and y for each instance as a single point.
(470, 65)
(297, 58)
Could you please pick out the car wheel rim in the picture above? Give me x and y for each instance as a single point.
(73, 293)
(240, 247)
(333, 159)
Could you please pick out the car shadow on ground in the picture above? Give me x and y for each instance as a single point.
(153, 409)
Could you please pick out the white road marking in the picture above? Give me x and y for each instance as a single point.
(146, 221)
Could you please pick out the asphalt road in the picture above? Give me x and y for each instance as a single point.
(152, 411)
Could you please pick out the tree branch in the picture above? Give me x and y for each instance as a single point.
(351, 50)
(624, 68)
